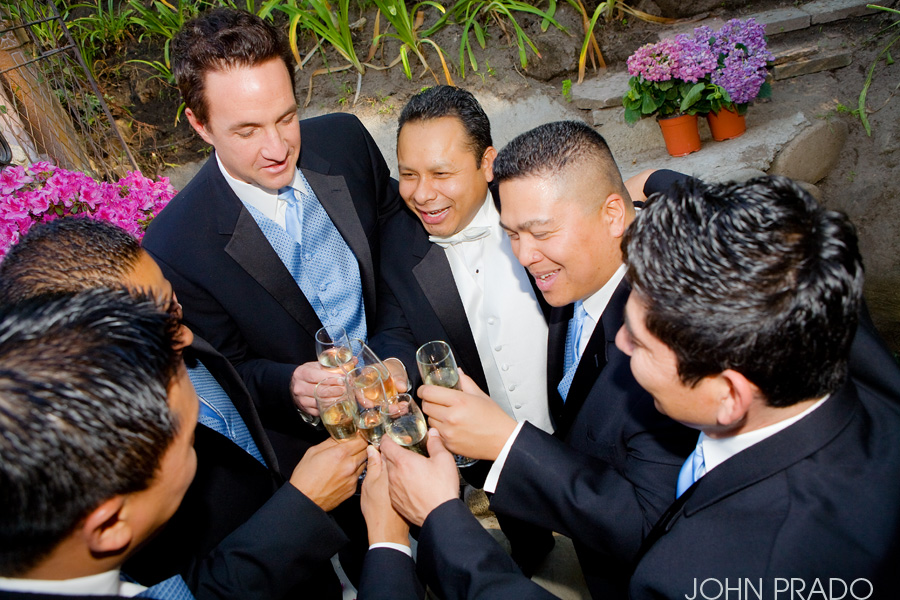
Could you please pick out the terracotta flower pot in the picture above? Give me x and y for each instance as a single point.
(681, 134)
(726, 125)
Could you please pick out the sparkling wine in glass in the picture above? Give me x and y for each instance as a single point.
(364, 356)
(405, 424)
(368, 390)
(337, 407)
(437, 366)
(333, 348)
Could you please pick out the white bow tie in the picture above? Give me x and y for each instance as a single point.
(469, 234)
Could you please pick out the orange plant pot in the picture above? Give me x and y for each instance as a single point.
(726, 125)
(681, 134)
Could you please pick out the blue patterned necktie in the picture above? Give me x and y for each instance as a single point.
(693, 469)
(573, 353)
(329, 273)
(217, 411)
(173, 588)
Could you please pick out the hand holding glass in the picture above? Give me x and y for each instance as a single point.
(405, 424)
(437, 366)
(337, 407)
(368, 391)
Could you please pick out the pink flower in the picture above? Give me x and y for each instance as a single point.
(13, 178)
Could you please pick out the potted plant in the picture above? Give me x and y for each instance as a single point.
(739, 77)
(668, 79)
(43, 192)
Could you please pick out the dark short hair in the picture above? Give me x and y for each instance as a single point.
(550, 149)
(448, 101)
(67, 255)
(754, 277)
(221, 39)
(84, 413)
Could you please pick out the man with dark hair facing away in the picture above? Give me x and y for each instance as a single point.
(242, 531)
(744, 306)
(97, 417)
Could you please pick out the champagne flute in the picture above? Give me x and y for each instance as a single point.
(405, 423)
(364, 356)
(337, 407)
(368, 390)
(437, 366)
(333, 348)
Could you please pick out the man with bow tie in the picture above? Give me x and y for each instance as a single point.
(450, 273)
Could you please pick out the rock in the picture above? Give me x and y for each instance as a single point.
(679, 8)
(557, 57)
(603, 91)
(811, 155)
(792, 53)
(826, 11)
(822, 62)
(738, 175)
(669, 32)
(812, 189)
(782, 20)
(180, 176)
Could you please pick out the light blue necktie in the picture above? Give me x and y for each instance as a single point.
(693, 469)
(328, 273)
(173, 588)
(217, 411)
(573, 353)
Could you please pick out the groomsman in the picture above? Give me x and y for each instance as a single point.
(451, 274)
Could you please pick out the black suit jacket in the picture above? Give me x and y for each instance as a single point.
(818, 500)
(609, 472)
(418, 301)
(232, 492)
(235, 290)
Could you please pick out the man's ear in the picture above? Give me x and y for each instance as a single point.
(199, 127)
(737, 395)
(104, 530)
(616, 213)
(487, 163)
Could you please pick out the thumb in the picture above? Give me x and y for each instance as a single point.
(436, 443)
(374, 462)
(468, 385)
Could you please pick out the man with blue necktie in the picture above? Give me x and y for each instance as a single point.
(239, 505)
(98, 417)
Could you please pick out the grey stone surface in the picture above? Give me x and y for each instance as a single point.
(782, 20)
(679, 8)
(812, 154)
(786, 54)
(674, 30)
(821, 62)
(180, 176)
(602, 91)
(556, 59)
(826, 11)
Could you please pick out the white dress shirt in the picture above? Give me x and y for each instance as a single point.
(594, 305)
(507, 324)
(102, 584)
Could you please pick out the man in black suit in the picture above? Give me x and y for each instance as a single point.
(614, 458)
(745, 304)
(239, 499)
(270, 240)
(98, 416)
(450, 274)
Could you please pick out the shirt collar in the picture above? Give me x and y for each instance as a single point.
(718, 450)
(102, 584)
(596, 303)
(261, 199)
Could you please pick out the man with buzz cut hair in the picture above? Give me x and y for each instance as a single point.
(243, 530)
(744, 305)
(450, 274)
(97, 416)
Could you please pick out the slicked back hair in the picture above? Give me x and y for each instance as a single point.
(556, 148)
(67, 255)
(84, 413)
(754, 277)
(221, 39)
(448, 101)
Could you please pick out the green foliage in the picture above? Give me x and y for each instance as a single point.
(567, 89)
(885, 53)
(664, 98)
(102, 32)
(406, 25)
(318, 17)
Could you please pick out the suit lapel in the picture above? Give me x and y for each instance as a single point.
(435, 277)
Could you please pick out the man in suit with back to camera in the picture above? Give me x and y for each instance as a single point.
(614, 459)
(450, 274)
(744, 307)
(270, 240)
(97, 416)
(238, 504)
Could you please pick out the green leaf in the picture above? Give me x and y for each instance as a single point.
(692, 96)
(649, 105)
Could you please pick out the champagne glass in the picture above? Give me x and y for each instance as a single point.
(437, 366)
(333, 348)
(364, 356)
(405, 423)
(368, 390)
(337, 407)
